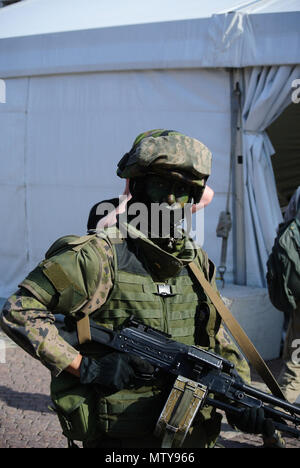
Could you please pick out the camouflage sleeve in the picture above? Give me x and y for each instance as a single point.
(226, 348)
(29, 320)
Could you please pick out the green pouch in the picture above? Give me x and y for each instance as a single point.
(75, 405)
(130, 413)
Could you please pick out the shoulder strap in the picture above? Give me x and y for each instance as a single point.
(84, 330)
(239, 334)
(83, 325)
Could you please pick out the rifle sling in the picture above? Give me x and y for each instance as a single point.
(239, 334)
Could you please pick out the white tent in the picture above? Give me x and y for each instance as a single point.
(82, 79)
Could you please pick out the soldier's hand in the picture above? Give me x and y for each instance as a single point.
(252, 421)
(116, 371)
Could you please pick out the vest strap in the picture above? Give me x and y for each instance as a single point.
(61, 282)
(84, 330)
(57, 276)
(239, 334)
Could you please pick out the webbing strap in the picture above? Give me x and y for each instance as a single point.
(239, 334)
(84, 330)
(56, 275)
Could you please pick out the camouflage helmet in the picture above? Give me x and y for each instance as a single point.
(170, 154)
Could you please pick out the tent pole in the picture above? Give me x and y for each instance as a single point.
(239, 245)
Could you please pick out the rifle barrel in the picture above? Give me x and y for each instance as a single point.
(267, 398)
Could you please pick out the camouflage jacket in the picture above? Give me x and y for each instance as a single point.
(30, 322)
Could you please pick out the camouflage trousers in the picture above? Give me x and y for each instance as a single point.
(289, 378)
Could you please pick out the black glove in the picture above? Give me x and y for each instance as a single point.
(253, 421)
(116, 371)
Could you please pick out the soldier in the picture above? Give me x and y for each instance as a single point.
(289, 377)
(111, 399)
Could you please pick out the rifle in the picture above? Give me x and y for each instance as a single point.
(215, 377)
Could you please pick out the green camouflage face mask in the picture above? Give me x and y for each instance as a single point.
(164, 201)
(172, 192)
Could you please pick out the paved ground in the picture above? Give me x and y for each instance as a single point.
(27, 422)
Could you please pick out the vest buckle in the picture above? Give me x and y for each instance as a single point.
(164, 290)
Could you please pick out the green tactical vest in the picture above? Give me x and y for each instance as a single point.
(177, 305)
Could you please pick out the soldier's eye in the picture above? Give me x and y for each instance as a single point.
(182, 189)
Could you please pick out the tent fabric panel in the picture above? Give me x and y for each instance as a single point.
(234, 39)
(267, 93)
(13, 246)
(50, 16)
(285, 137)
(12, 148)
(87, 116)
